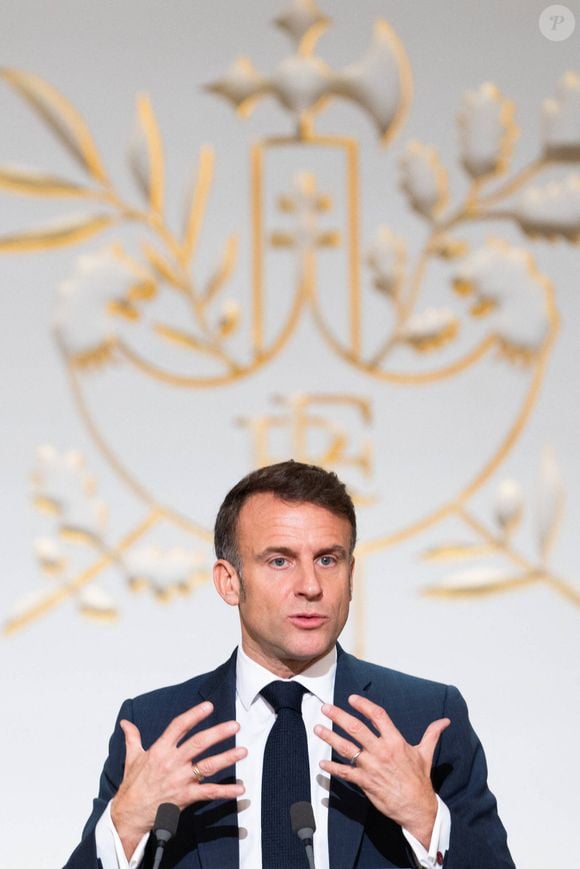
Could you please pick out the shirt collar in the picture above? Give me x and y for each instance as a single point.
(318, 679)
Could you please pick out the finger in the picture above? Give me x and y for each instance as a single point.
(211, 765)
(340, 770)
(354, 727)
(183, 723)
(431, 737)
(133, 745)
(344, 747)
(212, 791)
(376, 714)
(204, 739)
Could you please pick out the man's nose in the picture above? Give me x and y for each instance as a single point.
(308, 583)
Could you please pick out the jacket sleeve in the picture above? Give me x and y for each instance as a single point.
(478, 838)
(85, 854)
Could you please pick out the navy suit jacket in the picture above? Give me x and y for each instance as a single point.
(358, 835)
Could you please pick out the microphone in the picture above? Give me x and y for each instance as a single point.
(304, 825)
(164, 827)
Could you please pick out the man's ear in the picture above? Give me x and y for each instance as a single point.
(350, 579)
(227, 582)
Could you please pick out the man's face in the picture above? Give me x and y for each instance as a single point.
(295, 589)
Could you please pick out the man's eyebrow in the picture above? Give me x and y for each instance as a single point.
(276, 550)
(333, 549)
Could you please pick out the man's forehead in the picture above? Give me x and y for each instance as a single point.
(265, 512)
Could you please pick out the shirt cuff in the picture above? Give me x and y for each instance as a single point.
(110, 848)
(439, 844)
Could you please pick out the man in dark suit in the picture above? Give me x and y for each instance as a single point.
(396, 777)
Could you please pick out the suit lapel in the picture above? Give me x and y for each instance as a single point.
(216, 822)
(348, 806)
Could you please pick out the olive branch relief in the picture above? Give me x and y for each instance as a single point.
(504, 287)
(500, 282)
(498, 563)
(75, 547)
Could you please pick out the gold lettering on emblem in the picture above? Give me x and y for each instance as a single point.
(320, 429)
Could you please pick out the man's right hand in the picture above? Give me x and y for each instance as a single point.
(164, 774)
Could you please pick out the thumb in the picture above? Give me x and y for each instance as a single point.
(133, 745)
(431, 737)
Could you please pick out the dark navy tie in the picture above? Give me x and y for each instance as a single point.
(285, 777)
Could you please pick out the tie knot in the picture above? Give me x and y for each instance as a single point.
(284, 695)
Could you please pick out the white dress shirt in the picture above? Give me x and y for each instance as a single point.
(256, 717)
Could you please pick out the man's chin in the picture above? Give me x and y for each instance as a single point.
(309, 650)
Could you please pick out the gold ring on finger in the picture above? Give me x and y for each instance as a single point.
(197, 773)
(355, 757)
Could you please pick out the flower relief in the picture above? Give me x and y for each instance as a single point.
(386, 258)
(504, 285)
(430, 329)
(424, 331)
(487, 131)
(424, 179)
(551, 211)
(104, 286)
(64, 489)
(508, 506)
(561, 117)
(165, 571)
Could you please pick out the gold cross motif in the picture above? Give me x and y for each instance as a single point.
(307, 204)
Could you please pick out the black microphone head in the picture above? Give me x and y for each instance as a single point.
(302, 818)
(166, 819)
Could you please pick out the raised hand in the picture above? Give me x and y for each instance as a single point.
(394, 775)
(165, 772)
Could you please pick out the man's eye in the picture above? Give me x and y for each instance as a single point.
(280, 561)
(327, 560)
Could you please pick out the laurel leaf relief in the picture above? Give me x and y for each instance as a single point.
(146, 156)
(474, 581)
(61, 117)
(550, 503)
(59, 232)
(33, 182)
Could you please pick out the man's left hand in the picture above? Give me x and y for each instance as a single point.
(395, 776)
